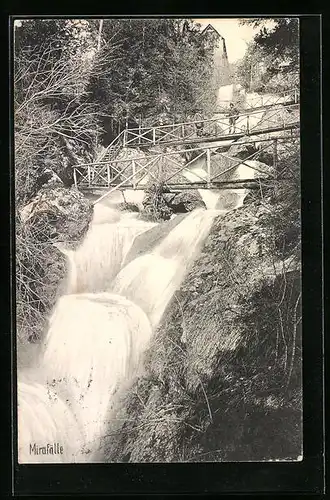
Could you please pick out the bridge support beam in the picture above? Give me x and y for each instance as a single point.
(75, 178)
(208, 166)
(134, 174)
(89, 175)
(108, 175)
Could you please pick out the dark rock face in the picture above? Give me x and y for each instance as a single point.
(242, 150)
(223, 373)
(58, 213)
(184, 202)
(55, 214)
(127, 207)
(49, 178)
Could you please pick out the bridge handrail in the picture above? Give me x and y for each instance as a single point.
(206, 120)
(171, 153)
(114, 142)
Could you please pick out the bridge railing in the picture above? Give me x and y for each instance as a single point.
(113, 147)
(246, 122)
(192, 167)
(176, 132)
(288, 97)
(263, 101)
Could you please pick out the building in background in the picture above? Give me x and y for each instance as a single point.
(222, 72)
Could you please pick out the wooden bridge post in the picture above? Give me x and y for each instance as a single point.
(89, 175)
(275, 156)
(154, 136)
(75, 177)
(295, 96)
(182, 130)
(248, 124)
(108, 174)
(125, 138)
(208, 165)
(134, 173)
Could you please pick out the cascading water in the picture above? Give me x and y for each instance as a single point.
(103, 214)
(93, 266)
(95, 343)
(45, 419)
(221, 199)
(94, 346)
(151, 280)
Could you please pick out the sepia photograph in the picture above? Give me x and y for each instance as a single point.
(157, 240)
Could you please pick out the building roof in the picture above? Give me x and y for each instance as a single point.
(210, 27)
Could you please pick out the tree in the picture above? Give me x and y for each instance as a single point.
(54, 122)
(281, 41)
(271, 62)
(162, 66)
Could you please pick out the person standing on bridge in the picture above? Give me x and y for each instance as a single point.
(233, 117)
(199, 124)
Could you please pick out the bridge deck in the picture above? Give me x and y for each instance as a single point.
(263, 107)
(134, 173)
(229, 137)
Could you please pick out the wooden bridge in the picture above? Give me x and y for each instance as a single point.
(209, 129)
(173, 169)
(269, 127)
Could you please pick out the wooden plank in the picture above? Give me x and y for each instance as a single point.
(235, 184)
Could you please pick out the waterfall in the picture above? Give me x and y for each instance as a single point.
(103, 214)
(220, 199)
(93, 266)
(94, 347)
(45, 419)
(151, 280)
(96, 339)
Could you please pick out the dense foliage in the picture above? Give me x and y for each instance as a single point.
(54, 123)
(74, 79)
(271, 62)
(163, 66)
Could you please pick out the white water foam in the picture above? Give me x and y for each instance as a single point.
(95, 344)
(95, 263)
(151, 280)
(94, 349)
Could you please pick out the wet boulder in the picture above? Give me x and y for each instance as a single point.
(242, 150)
(147, 241)
(184, 202)
(49, 178)
(127, 207)
(55, 214)
(58, 213)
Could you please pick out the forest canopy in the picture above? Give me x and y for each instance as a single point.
(149, 66)
(271, 62)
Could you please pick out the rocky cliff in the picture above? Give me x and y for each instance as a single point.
(55, 214)
(223, 376)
